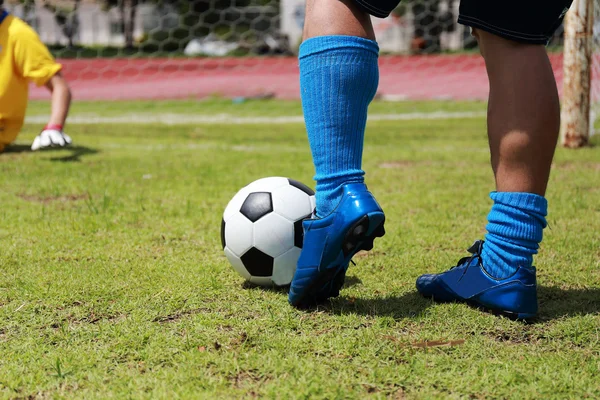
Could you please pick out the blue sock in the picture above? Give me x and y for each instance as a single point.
(338, 79)
(515, 226)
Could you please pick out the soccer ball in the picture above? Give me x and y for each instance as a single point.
(261, 230)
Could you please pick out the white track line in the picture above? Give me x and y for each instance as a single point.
(228, 119)
(271, 148)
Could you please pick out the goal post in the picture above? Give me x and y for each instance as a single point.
(577, 123)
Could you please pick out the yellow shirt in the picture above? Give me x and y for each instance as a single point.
(23, 59)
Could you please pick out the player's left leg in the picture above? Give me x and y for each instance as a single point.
(338, 79)
(523, 123)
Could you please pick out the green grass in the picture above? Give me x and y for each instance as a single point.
(247, 108)
(113, 283)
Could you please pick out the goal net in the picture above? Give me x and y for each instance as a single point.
(238, 50)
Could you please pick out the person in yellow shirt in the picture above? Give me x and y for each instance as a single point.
(24, 59)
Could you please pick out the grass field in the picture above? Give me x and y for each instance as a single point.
(113, 283)
(242, 107)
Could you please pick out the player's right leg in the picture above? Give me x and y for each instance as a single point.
(338, 79)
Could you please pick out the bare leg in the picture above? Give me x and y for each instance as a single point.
(523, 113)
(336, 17)
(523, 124)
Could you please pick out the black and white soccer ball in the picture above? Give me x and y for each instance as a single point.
(261, 230)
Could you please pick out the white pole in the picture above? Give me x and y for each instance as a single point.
(575, 112)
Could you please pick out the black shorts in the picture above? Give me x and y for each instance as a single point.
(527, 21)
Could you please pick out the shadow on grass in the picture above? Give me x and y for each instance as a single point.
(69, 154)
(408, 305)
(276, 289)
(350, 281)
(17, 148)
(555, 302)
(76, 153)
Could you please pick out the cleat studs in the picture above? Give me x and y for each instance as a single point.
(359, 230)
(379, 231)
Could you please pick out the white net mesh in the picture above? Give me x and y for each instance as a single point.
(165, 49)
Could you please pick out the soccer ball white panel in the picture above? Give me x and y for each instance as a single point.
(235, 203)
(291, 202)
(237, 264)
(284, 267)
(267, 184)
(313, 204)
(238, 234)
(273, 234)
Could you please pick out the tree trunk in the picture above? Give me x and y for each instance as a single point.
(130, 23)
(66, 22)
(73, 23)
(122, 19)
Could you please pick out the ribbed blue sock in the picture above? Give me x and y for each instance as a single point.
(515, 226)
(338, 79)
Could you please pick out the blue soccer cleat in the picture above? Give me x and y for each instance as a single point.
(468, 282)
(331, 242)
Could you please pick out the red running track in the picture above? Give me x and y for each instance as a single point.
(460, 77)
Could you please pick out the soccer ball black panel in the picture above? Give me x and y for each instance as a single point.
(301, 186)
(298, 232)
(262, 232)
(223, 233)
(258, 263)
(257, 205)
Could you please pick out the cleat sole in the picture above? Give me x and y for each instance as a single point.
(360, 236)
